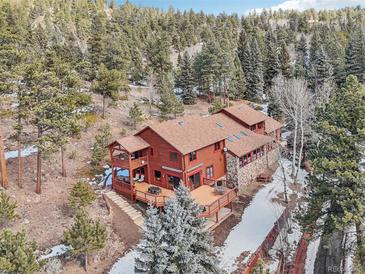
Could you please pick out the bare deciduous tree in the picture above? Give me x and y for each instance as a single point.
(296, 103)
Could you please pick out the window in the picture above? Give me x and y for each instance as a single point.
(244, 160)
(195, 180)
(217, 146)
(173, 181)
(158, 175)
(260, 125)
(173, 156)
(209, 172)
(151, 151)
(192, 156)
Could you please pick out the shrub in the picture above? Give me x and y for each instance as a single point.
(16, 254)
(7, 209)
(81, 195)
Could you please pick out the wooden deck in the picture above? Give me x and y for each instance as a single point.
(206, 195)
(142, 194)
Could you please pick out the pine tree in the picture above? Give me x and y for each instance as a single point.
(272, 64)
(17, 255)
(336, 182)
(302, 58)
(86, 236)
(255, 83)
(251, 61)
(135, 115)
(102, 140)
(50, 108)
(322, 69)
(108, 83)
(355, 55)
(169, 104)
(217, 105)
(188, 245)
(97, 44)
(237, 85)
(158, 54)
(284, 60)
(186, 80)
(81, 195)
(151, 254)
(69, 83)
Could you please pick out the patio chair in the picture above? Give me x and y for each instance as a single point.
(141, 179)
(219, 187)
(136, 178)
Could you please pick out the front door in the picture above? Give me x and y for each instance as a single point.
(195, 180)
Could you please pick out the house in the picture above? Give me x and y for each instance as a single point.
(211, 155)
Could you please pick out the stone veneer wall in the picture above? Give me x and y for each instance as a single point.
(246, 174)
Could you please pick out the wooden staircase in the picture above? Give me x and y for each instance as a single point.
(125, 206)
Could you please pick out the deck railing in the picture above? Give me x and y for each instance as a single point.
(229, 196)
(124, 162)
(122, 187)
(225, 183)
(154, 199)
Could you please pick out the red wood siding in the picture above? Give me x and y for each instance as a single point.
(206, 157)
(161, 157)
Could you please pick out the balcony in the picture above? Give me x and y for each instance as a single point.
(123, 161)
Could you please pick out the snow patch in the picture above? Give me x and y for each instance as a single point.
(312, 251)
(125, 265)
(56, 251)
(25, 152)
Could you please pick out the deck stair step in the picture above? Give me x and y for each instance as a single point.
(133, 213)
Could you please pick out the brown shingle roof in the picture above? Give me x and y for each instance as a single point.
(271, 125)
(239, 140)
(246, 114)
(133, 143)
(189, 133)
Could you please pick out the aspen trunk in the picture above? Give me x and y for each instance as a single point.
(360, 246)
(38, 188)
(294, 147)
(4, 174)
(63, 165)
(86, 262)
(20, 164)
(103, 107)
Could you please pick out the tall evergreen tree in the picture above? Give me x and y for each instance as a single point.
(302, 58)
(355, 54)
(186, 80)
(237, 85)
(108, 83)
(151, 250)
(169, 104)
(322, 69)
(284, 60)
(188, 244)
(336, 183)
(272, 64)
